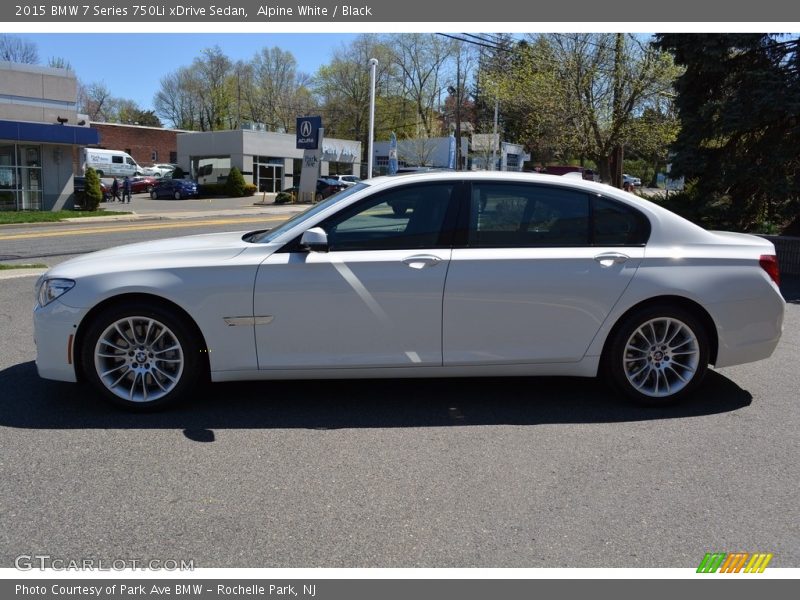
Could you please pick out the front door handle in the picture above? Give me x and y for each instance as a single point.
(420, 261)
(608, 259)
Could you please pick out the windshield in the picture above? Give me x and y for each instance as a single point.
(268, 236)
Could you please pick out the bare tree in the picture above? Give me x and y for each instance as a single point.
(416, 151)
(18, 50)
(95, 100)
(273, 87)
(421, 58)
(176, 103)
(58, 62)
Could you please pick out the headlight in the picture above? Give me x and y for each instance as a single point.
(50, 289)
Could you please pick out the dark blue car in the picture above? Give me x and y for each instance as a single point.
(174, 188)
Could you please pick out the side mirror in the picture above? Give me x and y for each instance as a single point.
(315, 240)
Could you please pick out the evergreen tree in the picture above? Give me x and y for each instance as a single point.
(738, 103)
(235, 184)
(92, 191)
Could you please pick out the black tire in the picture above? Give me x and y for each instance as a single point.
(319, 197)
(153, 195)
(658, 355)
(169, 372)
(177, 196)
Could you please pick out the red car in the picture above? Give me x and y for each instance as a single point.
(141, 184)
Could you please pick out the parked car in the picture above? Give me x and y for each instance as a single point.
(160, 170)
(142, 183)
(347, 180)
(326, 187)
(572, 170)
(553, 276)
(631, 180)
(174, 188)
(79, 186)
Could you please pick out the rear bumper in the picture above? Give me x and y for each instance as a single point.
(749, 330)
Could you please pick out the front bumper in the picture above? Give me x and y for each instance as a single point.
(54, 329)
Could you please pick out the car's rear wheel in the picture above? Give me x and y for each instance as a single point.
(319, 197)
(658, 355)
(153, 195)
(177, 196)
(140, 356)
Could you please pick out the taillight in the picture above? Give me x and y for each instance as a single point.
(769, 262)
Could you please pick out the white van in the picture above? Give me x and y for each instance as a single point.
(110, 163)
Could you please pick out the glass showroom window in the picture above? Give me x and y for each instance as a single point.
(20, 177)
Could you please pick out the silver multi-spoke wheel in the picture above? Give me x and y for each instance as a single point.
(661, 357)
(139, 359)
(659, 354)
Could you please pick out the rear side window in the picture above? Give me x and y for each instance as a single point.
(527, 216)
(616, 224)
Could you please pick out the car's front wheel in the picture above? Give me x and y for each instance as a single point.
(658, 355)
(141, 356)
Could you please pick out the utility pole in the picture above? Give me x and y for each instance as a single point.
(495, 140)
(617, 157)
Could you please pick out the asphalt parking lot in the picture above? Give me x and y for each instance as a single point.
(450, 473)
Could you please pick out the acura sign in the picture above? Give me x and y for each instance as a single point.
(308, 132)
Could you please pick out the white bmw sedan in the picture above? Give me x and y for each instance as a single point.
(484, 274)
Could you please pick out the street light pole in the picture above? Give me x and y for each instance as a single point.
(373, 65)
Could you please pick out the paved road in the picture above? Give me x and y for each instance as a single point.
(473, 473)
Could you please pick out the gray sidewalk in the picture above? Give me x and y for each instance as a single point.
(143, 207)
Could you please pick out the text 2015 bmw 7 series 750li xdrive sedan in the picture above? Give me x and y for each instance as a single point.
(482, 274)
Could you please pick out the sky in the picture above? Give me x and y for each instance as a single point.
(132, 64)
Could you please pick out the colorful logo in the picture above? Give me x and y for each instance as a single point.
(734, 562)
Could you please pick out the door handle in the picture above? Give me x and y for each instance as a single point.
(421, 261)
(608, 259)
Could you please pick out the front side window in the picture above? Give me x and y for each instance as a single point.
(527, 216)
(410, 217)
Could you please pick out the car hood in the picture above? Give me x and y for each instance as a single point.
(187, 251)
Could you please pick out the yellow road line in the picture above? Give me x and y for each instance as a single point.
(138, 227)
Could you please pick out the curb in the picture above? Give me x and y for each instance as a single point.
(258, 209)
(18, 273)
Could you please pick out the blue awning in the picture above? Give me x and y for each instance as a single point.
(20, 131)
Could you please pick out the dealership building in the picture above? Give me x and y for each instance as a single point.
(40, 132)
(267, 159)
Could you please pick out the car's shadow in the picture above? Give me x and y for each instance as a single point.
(30, 402)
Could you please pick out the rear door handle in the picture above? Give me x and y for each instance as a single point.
(608, 259)
(420, 261)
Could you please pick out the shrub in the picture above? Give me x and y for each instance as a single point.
(235, 184)
(249, 189)
(285, 198)
(92, 195)
(211, 189)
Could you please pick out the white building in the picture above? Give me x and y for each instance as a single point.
(269, 160)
